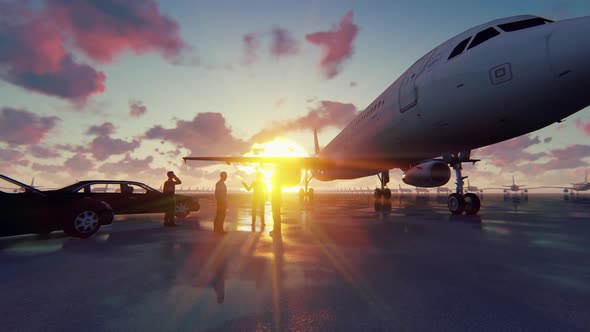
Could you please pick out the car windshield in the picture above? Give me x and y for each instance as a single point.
(12, 186)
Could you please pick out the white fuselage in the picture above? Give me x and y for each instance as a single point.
(583, 186)
(512, 84)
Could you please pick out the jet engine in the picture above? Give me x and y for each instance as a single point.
(290, 176)
(428, 174)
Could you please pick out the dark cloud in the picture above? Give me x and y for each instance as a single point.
(133, 168)
(105, 29)
(327, 114)
(42, 152)
(105, 129)
(79, 164)
(564, 158)
(137, 109)
(33, 56)
(337, 45)
(207, 133)
(251, 42)
(103, 147)
(34, 42)
(10, 155)
(21, 127)
(283, 43)
(510, 153)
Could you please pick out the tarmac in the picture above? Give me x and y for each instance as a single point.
(340, 265)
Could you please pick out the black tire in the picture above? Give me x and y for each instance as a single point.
(310, 194)
(387, 194)
(456, 203)
(378, 194)
(181, 210)
(472, 203)
(83, 222)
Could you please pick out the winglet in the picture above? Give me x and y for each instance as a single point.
(315, 141)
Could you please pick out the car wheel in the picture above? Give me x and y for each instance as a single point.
(83, 224)
(182, 210)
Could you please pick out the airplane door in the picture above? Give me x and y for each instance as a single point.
(408, 96)
(408, 92)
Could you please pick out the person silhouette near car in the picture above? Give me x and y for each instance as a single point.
(169, 189)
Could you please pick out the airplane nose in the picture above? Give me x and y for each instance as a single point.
(569, 48)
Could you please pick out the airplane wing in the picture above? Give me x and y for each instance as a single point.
(303, 162)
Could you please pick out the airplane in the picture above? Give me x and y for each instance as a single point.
(472, 189)
(442, 190)
(496, 81)
(581, 186)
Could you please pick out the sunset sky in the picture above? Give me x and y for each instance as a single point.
(123, 89)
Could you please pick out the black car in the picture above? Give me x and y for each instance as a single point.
(28, 210)
(128, 197)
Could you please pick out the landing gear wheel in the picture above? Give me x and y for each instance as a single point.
(181, 210)
(387, 194)
(472, 204)
(310, 194)
(456, 203)
(377, 194)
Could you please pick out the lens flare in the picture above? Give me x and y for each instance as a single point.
(279, 147)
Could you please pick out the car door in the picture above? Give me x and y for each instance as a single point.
(22, 213)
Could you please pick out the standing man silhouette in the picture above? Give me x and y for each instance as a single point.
(258, 197)
(169, 188)
(277, 201)
(221, 200)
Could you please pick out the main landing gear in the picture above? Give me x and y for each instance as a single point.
(306, 194)
(382, 195)
(459, 202)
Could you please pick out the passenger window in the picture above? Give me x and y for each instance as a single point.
(483, 36)
(459, 48)
(524, 24)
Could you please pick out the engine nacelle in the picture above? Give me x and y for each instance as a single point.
(290, 176)
(428, 174)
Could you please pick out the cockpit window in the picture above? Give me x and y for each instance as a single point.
(482, 36)
(459, 48)
(524, 24)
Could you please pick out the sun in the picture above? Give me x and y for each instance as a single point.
(279, 147)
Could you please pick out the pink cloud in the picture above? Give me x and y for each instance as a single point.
(509, 153)
(111, 27)
(327, 114)
(337, 45)
(283, 43)
(105, 129)
(207, 133)
(21, 127)
(133, 168)
(251, 42)
(583, 126)
(33, 52)
(137, 109)
(33, 56)
(42, 152)
(103, 147)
